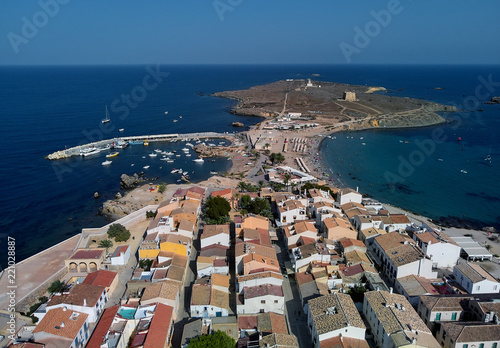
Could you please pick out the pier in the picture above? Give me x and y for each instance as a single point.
(76, 150)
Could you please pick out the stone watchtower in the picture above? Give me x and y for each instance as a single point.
(349, 96)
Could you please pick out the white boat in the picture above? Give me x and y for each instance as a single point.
(213, 172)
(106, 119)
(121, 130)
(190, 145)
(120, 144)
(90, 152)
(145, 167)
(188, 155)
(105, 163)
(132, 165)
(177, 155)
(185, 149)
(166, 112)
(463, 171)
(170, 161)
(185, 173)
(164, 159)
(175, 121)
(168, 153)
(157, 150)
(153, 155)
(199, 160)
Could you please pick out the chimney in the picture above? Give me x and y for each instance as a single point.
(62, 324)
(84, 302)
(390, 290)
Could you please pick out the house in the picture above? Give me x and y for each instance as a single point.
(318, 195)
(209, 301)
(85, 260)
(292, 233)
(186, 228)
(335, 228)
(83, 298)
(120, 256)
(161, 328)
(229, 195)
(114, 328)
(258, 279)
(311, 285)
(207, 266)
(104, 278)
(251, 221)
(469, 334)
(399, 256)
(334, 315)
(292, 211)
(366, 235)
(254, 262)
(323, 210)
(277, 340)
(474, 279)
(215, 235)
(344, 342)
(216, 251)
(303, 255)
(348, 195)
(413, 286)
(261, 299)
(438, 308)
(62, 327)
(245, 249)
(350, 244)
(394, 322)
(164, 292)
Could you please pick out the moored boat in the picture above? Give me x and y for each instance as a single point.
(112, 154)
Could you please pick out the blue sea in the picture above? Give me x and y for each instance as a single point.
(48, 108)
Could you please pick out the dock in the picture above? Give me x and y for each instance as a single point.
(76, 150)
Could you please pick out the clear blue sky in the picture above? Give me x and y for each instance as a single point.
(251, 32)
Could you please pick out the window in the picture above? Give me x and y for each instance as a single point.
(454, 316)
(494, 345)
(465, 346)
(263, 301)
(438, 316)
(275, 301)
(481, 345)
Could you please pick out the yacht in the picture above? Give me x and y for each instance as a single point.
(199, 160)
(106, 119)
(90, 151)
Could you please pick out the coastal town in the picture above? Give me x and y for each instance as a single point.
(275, 253)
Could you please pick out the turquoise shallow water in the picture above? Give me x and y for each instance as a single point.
(45, 109)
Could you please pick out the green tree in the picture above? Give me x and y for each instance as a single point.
(261, 184)
(218, 339)
(56, 286)
(217, 210)
(162, 187)
(245, 201)
(145, 264)
(150, 214)
(106, 243)
(242, 186)
(357, 292)
(118, 232)
(276, 158)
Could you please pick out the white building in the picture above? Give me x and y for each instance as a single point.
(83, 298)
(394, 322)
(258, 279)
(474, 279)
(62, 327)
(120, 256)
(215, 235)
(399, 256)
(469, 334)
(207, 301)
(292, 211)
(442, 250)
(349, 195)
(334, 315)
(261, 299)
(303, 255)
(293, 232)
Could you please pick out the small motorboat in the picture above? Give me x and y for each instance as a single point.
(105, 163)
(153, 155)
(112, 154)
(463, 171)
(199, 160)
(121, 130)
(145, 167)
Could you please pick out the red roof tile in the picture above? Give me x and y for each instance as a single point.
(160, 327)
(102, 328)
(101, 278)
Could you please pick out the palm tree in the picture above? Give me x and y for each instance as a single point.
(236, 198)
(261, 184)
(242, 186)
(105, 243)
(266, 146)
(287, 177)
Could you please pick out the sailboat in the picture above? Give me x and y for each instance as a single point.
(106, 120)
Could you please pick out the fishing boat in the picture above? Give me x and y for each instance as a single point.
(105, 163)
(185, 149)
(112, 154)
(170, 161)
(106, 119)
(199, 160)
(177, 155)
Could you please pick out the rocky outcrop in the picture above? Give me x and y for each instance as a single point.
(128, 182)
(494, 100)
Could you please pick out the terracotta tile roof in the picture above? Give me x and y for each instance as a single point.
(400, 219)
(88, 254)
(303, 226)
(474, 272)
(79, 294)
(405, 254)
(176, 273)
(391, 240)
(204, 260)
(151, 237)
(352, 270)
(225, 192)
(250, 233)
(391, 318)
(352, 205)
(220, 280)
(271, 323)
(212, 230)
(160, 274)
(279, 340)
(304, 277)
(445, 303)
(197, 189)
(220, 263)
(354, 257)
(333, 312)
(348, 242)
(200, 295)
(343, 342)
(52, 323)
(194, 195)
(219, 298)
(247, 322)
(99, 334)
(372, 231)
(262, 275)
(102, 278)
(160, 327)
(262, 290)
(471, 331)
(179, 260)
(415, 285)
(119, 250)
(214, 250)
(175, 238)
(186, 225)
(261, 250)
(265, 239)
(165, 289)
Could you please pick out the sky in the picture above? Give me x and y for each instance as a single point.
(75, 32)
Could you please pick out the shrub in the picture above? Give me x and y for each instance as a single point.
(56, 286)
(118, 232)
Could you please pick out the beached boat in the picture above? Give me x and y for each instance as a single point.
(112, 154)
(105, 163)
(199, 160)
(106, 119)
